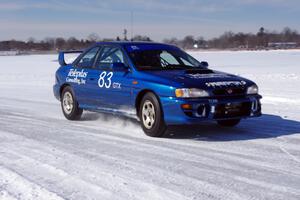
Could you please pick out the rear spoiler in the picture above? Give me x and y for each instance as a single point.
(61, 56)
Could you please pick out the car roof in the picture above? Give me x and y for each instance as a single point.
(142, 45)
(125, 43)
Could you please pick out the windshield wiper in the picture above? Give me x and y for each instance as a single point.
(169, 67)
(176, 67)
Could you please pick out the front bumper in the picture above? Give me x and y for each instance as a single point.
(209, 109)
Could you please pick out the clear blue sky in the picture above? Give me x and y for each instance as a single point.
(156, 18)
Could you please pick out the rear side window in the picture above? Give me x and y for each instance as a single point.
(88, 59)
(109, 56)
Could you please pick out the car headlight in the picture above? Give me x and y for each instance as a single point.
(190, 93)
(253, 89)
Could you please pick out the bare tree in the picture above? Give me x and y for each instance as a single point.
(188, 42)
(93, 37)
(141, 38)
(60, 43)
(51, 43)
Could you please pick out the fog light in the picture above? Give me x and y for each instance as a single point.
(254, 106)
(201, 111)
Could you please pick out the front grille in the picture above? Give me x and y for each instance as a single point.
(232, 110)
(229, 91)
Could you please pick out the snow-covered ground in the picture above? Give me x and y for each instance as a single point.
(44, 156)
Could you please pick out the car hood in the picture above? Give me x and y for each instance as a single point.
(204, 78)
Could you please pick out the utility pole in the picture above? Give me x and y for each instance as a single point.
(125, 34)
(131, 25)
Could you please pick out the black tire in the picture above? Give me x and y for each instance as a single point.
(229, 123)
(156, 127)
(73, 112)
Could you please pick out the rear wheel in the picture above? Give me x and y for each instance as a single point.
(69, 105)
(229, 123)
(151, 116)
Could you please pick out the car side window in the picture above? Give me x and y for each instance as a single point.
(109, 56)
(88, 59)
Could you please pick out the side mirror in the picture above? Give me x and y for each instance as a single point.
(119, 67)
(204, 64)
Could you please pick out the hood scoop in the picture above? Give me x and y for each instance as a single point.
(204, 74)
(199, 71)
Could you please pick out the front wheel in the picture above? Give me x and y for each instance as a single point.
(69, 104)
(229, 123)
(151, 116)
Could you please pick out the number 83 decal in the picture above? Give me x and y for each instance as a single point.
(105, 79)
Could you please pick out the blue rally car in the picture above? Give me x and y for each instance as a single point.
(158, 84)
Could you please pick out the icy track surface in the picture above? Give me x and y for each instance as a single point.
(44, 156)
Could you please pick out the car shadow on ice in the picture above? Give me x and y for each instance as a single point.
(266, 126)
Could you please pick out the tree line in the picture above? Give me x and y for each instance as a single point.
(263, 39)
(57, 44)
(229, 40)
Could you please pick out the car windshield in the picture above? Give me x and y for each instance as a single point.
(163, 60)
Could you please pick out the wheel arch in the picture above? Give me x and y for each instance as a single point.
(140, 96)
(62, 88)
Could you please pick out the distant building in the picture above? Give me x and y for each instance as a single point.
(9, 53)
(200, 46)
(282, 45)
